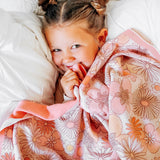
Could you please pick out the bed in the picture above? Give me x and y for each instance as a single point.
(34, 126)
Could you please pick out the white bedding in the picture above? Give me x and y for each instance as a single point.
(142, 15)
(27, 6)
(26, 68)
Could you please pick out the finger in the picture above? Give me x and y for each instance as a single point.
(80, 70)
(72, 81)
(70, 75)
(80, 75)
(68, 87)
(75, 77)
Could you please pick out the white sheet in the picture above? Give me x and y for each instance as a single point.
(27, 6)
(142, 15)
(26, 67)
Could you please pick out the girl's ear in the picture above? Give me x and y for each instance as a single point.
(102, 36)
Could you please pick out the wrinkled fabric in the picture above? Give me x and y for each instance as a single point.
(26, 67)
(115, 116)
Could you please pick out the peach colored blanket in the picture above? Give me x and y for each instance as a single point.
(116, 114)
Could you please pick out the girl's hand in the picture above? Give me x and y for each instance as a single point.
(73, 77)
(68, 81)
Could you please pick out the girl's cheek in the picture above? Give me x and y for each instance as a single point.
(58, 61)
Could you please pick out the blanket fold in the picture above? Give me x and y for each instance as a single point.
(115, 116)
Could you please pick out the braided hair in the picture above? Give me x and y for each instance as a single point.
(61, 11)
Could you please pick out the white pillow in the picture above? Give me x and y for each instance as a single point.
(26, 67)
(142, 15)
(21, 6)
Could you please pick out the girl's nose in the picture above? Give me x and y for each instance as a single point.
(68, 57)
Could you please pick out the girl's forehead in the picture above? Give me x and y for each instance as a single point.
(68, 29)
(80, 25)
(68, 34)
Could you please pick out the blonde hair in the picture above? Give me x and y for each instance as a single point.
(61, 11)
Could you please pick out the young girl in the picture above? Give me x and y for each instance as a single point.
(117, 111)
(75, 31)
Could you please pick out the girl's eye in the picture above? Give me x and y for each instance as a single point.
(76, 46)
(56, 50)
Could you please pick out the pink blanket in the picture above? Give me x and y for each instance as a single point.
(116, 114)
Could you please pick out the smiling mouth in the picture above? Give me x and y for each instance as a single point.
(77, 66)
(69, 67)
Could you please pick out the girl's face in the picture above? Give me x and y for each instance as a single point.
(72, 44)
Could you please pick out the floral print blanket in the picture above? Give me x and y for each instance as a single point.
(116, 114)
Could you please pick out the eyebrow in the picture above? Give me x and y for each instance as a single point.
(51, 46)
